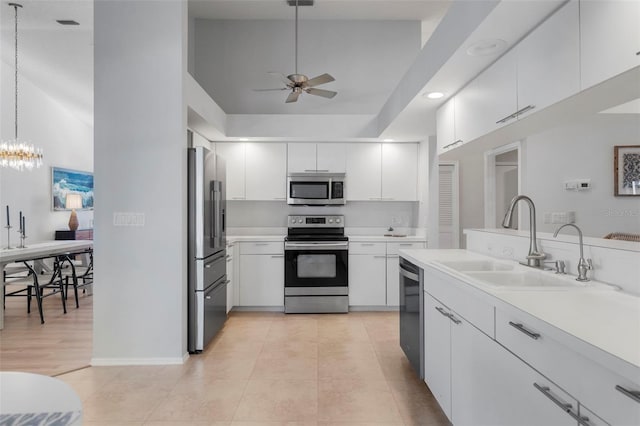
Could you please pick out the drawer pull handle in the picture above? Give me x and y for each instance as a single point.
(452, 144)
(406, 244)
(454, 319)
(262, 244)
(521, 328)
(546, 391)
(366, 244)
(380, 257)
(277, 256)
(635, 395)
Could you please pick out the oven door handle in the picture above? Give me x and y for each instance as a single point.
(317, 246)
(410, 275)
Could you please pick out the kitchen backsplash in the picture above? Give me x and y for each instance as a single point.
(358, 214)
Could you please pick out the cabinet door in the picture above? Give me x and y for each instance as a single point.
(487, 100)
(400, 172)
(301, 157)
(445, 125)
(437, 352)
(367, 280)
(610, 39)
(230, 285)
(331, 157)
(262, 280)
(233, 154)
(491, 386)
(266, 171)
(549, 61)
(393, 281)
(364, 171)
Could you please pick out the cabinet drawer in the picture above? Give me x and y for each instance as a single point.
(475, 310)
(262, 247)
(589, 382)
(367, 248)
(392, 248)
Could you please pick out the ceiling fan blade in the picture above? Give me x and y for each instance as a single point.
(321, 79)
(270, 90)
(319, 92)
(282, 77)
(293, 97)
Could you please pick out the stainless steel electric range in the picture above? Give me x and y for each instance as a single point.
(316, 267)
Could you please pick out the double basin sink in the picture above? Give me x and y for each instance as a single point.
(502, 275)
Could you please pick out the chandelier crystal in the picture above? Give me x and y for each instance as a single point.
(16, 154)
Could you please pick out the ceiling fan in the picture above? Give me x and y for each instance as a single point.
(299, 83)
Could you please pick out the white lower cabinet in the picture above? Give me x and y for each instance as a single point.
(367, 279)
(393, 280)
(261, 274)
(231, 283)
(437, 355)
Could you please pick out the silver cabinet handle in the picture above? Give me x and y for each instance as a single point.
(454, 319)
(366, 244)
(521, 328)
(635, 395)
(261, 244)
(392, 256)
(380, 257)
(316, 170)
(238, 198)
(277, 256)
(452, 144)
(566, 407)
(387, 198)
(408, 274)
(525, 109)
(507, 118)
(442, 311)
(406, 244)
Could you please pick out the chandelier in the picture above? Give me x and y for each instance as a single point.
(18, 154)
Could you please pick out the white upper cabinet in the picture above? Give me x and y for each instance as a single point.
(382, 172)
(610, 39)
(489, 101)
(364, 171)
(266, 171)
(549, 61)
(233, 154)
(255, 171)
(316, 158)
(331, 157)
(445, 125)
(301, 157)
(399, 171)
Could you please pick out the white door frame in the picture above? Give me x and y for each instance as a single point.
(490, 180)
(455, 214)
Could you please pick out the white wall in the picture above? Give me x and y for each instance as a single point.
(141, 166)
(67, 142)
(582, 150)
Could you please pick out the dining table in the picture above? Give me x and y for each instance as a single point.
(39, 250)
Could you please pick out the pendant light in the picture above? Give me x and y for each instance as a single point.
(18, 154)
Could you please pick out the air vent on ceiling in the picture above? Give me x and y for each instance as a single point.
(300, 2)
(67, 22)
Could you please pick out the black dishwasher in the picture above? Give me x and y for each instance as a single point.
(411, 315)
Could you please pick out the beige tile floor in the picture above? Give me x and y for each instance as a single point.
(271, 369)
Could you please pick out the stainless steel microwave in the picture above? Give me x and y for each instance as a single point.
(315, 189)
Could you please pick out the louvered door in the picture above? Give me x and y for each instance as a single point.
(448, 207)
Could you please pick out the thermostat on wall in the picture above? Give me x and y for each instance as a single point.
(577, 185)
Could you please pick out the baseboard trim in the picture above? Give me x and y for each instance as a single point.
(373, 308)
(258, 309)
(104, 362)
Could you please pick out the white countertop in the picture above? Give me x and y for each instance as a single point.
(378, 238)
(607, 320)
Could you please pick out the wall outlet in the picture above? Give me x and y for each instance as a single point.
(562, 218)
(577, 185)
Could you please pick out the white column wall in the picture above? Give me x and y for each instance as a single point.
(140, 166)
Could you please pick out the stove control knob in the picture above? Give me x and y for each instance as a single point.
(338, 220)
(330, 220)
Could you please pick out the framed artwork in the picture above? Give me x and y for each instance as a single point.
(65, 181)
(626, 169)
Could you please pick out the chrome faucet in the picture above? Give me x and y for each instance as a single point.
(583, 264)
(535, 257)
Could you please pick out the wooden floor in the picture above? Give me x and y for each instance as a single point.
(63, 343)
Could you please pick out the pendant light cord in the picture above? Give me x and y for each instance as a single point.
(15, 7)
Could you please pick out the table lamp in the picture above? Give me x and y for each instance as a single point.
(73, 202)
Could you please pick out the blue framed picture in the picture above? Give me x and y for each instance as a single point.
(65, 181)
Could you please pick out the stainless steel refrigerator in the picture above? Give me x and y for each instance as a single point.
(207, 289)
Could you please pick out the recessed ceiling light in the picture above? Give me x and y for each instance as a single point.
(244, 139)
(433, 95)
(486, 47)
(387, 140)
(67, 22)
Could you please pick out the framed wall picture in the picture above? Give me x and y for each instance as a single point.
(626, 170)
(65, 181)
